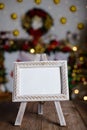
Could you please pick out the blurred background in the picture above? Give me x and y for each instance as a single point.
(55, 27)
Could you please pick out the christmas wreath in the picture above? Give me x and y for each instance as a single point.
(37, 22)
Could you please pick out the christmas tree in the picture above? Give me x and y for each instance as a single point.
(77, 64)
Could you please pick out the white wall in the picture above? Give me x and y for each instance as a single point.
(56, 11)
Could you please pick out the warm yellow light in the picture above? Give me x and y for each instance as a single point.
(73, 74)
(75, 66)
(81, 58)
(74, 48)
(32, 50)
(74, 71)
(11, 42)
(76, 91)
(85, 98)
(85, 83)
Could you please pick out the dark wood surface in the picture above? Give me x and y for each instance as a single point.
(75, 115)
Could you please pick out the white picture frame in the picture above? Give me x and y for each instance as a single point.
(40, 81)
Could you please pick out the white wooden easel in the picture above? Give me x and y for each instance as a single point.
(40, 104)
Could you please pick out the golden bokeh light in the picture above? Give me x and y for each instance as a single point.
(76, 91)
(85, 98)
(74, 48)
(32, 50)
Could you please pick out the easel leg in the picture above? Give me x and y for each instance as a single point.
(60, 113)
(40, 108)
(20, 113)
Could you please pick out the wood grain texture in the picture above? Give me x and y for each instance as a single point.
(75, 114)
(81, 107)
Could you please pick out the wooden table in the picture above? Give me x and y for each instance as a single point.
(75, 115)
